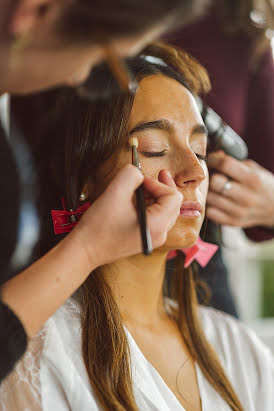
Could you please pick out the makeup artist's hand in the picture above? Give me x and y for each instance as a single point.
(241, 193)
(109, 230)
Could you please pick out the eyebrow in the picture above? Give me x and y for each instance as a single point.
(199, 129)
(161, 124)
(165, 125)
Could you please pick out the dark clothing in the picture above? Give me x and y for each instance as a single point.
(9, 205)
(13, 339)
(216, 277)
(243, 97)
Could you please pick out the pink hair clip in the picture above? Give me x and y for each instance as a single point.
(64, 221)
(202, 252)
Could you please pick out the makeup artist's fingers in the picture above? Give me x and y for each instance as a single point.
(158, 189)
(163, 213)
(164, 177)
(109, 230)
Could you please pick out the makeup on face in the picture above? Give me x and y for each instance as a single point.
(154, 139)
(172, 136)
(191, 209)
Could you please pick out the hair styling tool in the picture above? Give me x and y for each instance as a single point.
(221, 136)
(140, 200)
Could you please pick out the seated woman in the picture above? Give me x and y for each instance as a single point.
(122, 343)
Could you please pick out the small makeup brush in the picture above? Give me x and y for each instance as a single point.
(140, 200)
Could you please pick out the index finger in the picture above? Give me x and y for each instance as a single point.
(158, 189)
(236, 170)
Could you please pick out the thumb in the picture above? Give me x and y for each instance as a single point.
(164, 177)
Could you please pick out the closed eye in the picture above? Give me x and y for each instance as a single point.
(200, 157)
(154, 153)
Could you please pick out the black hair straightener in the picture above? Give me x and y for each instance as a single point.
(220, 135)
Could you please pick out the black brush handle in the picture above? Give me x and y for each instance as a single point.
(141, 210)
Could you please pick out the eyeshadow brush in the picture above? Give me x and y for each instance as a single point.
(140, 202)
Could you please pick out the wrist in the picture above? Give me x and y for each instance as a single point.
(83, 248)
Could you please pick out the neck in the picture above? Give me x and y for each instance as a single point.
(137, 287)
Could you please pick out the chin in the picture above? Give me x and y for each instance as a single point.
(183, 235)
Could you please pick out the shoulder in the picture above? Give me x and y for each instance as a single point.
(63, 374)
(247, 361)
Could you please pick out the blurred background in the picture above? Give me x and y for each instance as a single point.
(251, 275)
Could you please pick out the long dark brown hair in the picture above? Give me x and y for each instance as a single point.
(86, 135)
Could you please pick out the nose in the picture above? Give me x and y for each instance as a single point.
(190, 171)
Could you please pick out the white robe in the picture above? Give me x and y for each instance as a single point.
(52, 375)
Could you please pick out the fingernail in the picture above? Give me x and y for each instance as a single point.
(168, 173)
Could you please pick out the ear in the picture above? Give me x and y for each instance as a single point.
(29, 15)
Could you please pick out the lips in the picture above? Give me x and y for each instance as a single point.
(191, 209)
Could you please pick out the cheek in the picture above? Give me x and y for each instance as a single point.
(152, 166)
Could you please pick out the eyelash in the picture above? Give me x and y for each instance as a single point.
(162, 153)
(200, 157)
(154, 153)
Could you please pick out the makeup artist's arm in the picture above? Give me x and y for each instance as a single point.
(108, 231)
(250, 200)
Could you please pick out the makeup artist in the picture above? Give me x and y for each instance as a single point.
(45, 43)
(230, 41)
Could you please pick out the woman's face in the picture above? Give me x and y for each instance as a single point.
(166, 120)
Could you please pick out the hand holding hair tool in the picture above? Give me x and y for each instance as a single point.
(221, 136)
(140, 200)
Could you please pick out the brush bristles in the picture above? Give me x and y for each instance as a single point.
(133, 141)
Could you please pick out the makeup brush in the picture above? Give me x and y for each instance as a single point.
(140, 202)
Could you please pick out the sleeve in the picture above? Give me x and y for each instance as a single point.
(259, 132)
(9, 205)
(21, 389)
(32, 385)
(13, 340)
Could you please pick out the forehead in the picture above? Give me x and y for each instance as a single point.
(158, 96)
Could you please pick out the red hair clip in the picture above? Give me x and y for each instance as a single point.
(64, 221)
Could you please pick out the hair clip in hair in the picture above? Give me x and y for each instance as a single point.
(64, 221)
(202, 252)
